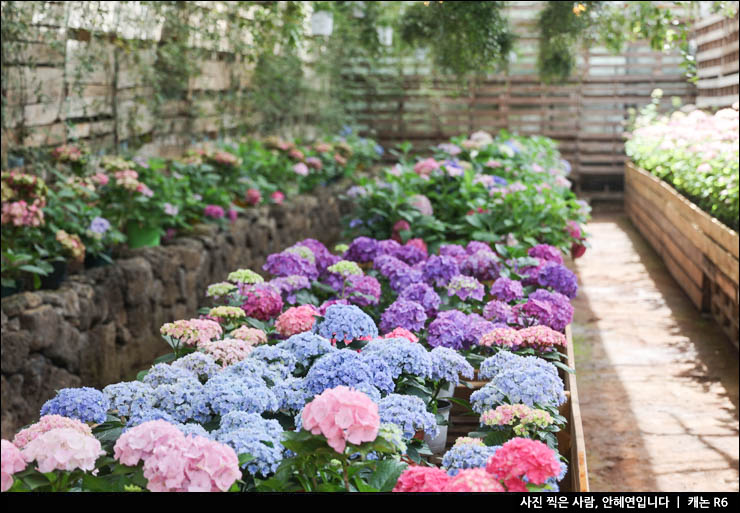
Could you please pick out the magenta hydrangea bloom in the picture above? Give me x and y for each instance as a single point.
(262, 302)
(546, 252)
(483, 265)
(507, 290)
(439, 270)
(287, 264)
(403, 314)
(561, 311)
(424, 295)
(214, 211)
(363, 290)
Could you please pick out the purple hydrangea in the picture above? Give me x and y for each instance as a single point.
(483, 265)
(388, 265)
(362, 249)
(399, 280)
(387, 247)
(287, 264)
(507, 290)
(409, 254)
(363, 290)
(559, 278)
(448, 330)
(532, 313)
(439, 270)
(466, 287)
(330, 302)
(424, 295)
(405, 314)
(324, 258)
(453, 250)
(561, 311)
(99, 225)
(475, 245)
(498, 312)
(289, 285)
(477, 326)
(546, 252)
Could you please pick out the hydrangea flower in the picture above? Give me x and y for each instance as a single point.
(559, 278)
(342, 415)
(228, 351)
(414, 251)
(467, 456)
(465, 287)
(276, 358)
(542, 338)
(449, 365)
(393, 434)
(404, 314)
(11, 462)
(422, 479)
(228, 313)
(192, 332)
(228, 392)
(520, 416)
(85, 404)
(345, 322)
(475, 246)
(387, 247)
(291, 393)
(402, 333)
(482, 265)
(402, 278)
(402, 356)
(63, 449)
(422, 204)
(474, 480)
(297, 319)
(507, 338)
(129, 396)
(47, 423)
(439, 270)
(507, 290)
(388, 265)
(287, 264)
(306, 347)
(326, 304)
(520, 457)
(184, 400)
(362, 249)
(221, 289)
(453, 251)
(369, 389)
(409, 413)
(424, 295)
(517, 379)
(561, 311)
(262, 302)
(143, 415)
(191, 428)
(323, 257)
(252, 335)
(348, 368)
(546, 252)
(289, 285)
(199, 364)
(138, 443)
(345, 268)
(302, 251)
(245, 276)
(247, 433)
(257, 369)
(448, 330)
(363, 290)
(477, 326)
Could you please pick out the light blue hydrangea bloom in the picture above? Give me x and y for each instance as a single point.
(409, 413)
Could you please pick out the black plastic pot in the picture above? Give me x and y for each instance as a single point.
(9, 291)
(54, 279)
(92, 261)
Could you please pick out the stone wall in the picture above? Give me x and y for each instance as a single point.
(102, 326)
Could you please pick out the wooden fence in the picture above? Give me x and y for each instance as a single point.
(716, 40)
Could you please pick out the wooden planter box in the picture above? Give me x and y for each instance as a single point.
(570, 441)
(700, 252)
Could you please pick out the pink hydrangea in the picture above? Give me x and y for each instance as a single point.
(542, 338)
(398, 227)
(193, 332)
(11, 461)
(296, 154)
(342, 415)
(300, 169)
(501, 337)
(228, 351)
(63, 449)
(425, 167)
(296, 319)
(474, 480)
(418, 243)
(314, 162)
(253, 196)
(47, 423)
(192, 464)
(138, 443)
(493, 163)
(422, 204)
(422, 479)
(277, 197)
(20, 213)
(252, 335)
(402, 333)
(520, 457)
(262, 302)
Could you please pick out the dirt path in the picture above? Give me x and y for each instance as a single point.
(658, 383)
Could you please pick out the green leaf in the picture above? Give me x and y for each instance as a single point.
(386, 474)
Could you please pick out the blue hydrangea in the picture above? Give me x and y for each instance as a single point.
(147, 414)
(467, 456)
(84, 404)
(517, 379)
(348, 368)
(200, 364)
(402, 356)
(368, 389)
(306, 347)
(449, 365)
(252, 368)
(250, 434)
(129, 396)
(184, 400)
(409, 413)
(165, 374)
(345, 322)
(228, 392)
(291, 394)
(276, 358)
(193, 429)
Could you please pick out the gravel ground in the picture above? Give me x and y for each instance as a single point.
(658, 381)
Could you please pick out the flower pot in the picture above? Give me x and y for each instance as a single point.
(9, 291)
(446, 392)
(54, 279)
(142, 236)
(438, 443)
(93, 261)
